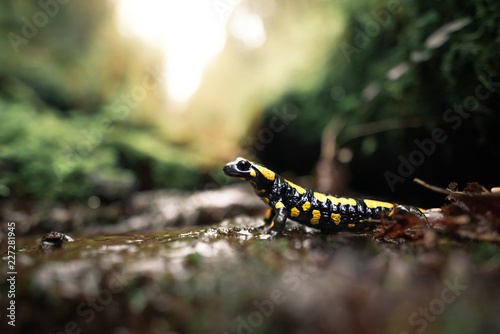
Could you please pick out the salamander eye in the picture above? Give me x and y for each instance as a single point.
(243, 165)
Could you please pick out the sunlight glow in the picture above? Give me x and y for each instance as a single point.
(248, 27)
(190, 32)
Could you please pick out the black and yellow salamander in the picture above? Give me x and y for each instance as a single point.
(325, 212)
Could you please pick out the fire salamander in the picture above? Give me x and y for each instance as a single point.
(325, 212)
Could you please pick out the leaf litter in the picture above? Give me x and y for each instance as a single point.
(472, 213)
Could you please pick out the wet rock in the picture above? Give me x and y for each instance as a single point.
(54, 240)
(157, 210)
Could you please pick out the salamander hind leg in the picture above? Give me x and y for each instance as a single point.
(409, 209)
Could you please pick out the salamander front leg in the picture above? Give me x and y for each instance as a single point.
(268, 219)
(278, 223)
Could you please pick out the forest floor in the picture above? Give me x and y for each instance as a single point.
(153, 273)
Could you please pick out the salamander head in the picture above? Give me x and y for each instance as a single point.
(244, 169)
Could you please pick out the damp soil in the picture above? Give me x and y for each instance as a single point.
(228, 277)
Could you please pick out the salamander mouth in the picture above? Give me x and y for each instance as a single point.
(230, 170)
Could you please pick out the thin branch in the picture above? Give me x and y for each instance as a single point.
(372, 128)
(431, 187)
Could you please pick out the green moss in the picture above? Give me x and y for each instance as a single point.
(68, 124)
(194, 259)
(46, 156)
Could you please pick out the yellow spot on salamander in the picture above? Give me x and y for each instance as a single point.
(316, 217)
(306, 206)
(295, 212)
(272, 224)
(320, 197)
(393, 211)
(333, 199)
(351, 225)
(266, 200)
(259, 192)
(342, 200)
(336, 218)
(378, 204)
(299, 189)
(252, 173)
(279, 205)
(268, 174)
(268, 213)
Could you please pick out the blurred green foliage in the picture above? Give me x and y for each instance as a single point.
(75, 112)
(393, 67)
(76, 101)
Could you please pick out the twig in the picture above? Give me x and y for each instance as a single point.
(434, 188)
